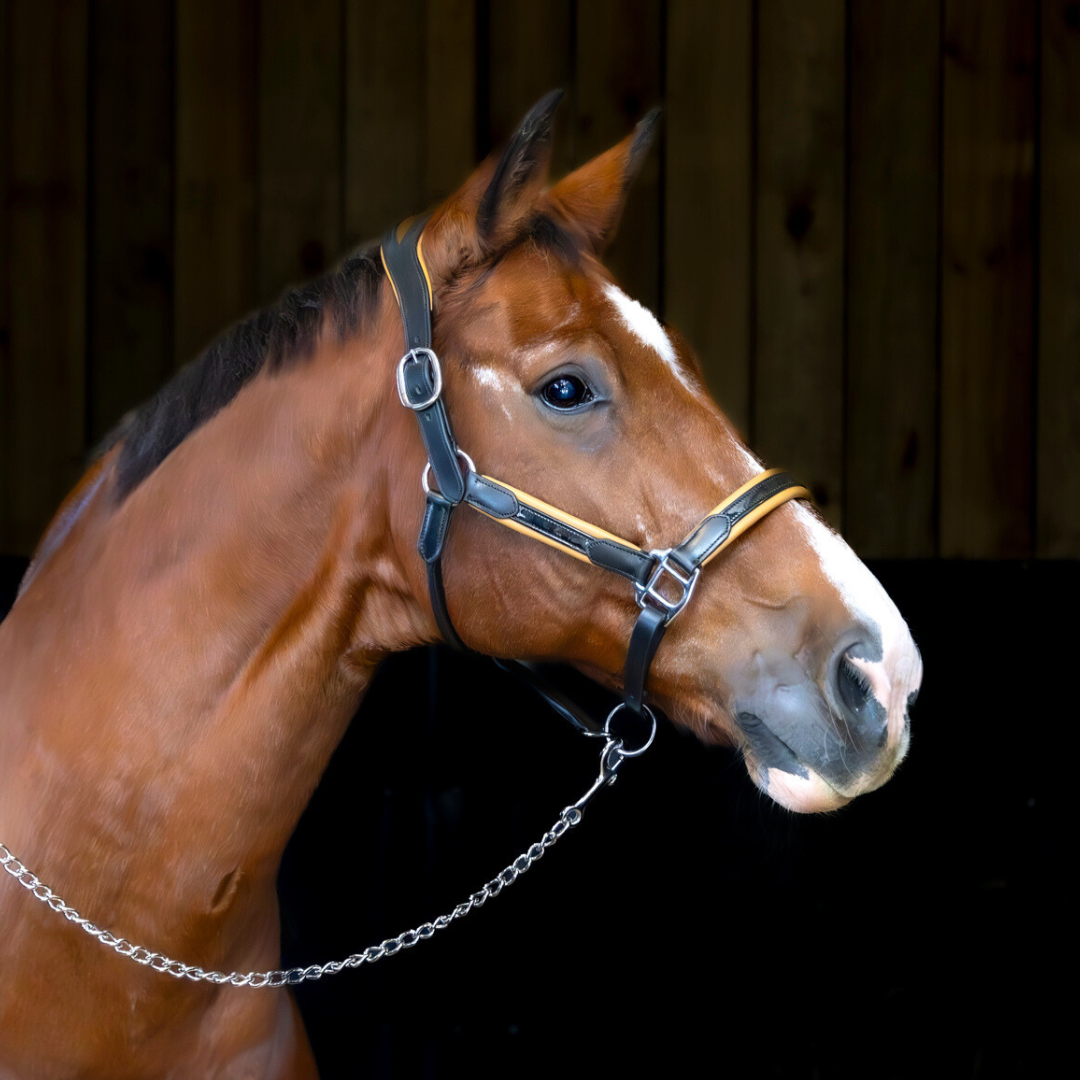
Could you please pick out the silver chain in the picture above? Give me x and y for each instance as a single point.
(610, 759)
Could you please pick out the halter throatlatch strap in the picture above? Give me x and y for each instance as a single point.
(664, 580)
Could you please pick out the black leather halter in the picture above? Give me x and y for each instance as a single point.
(663, 580)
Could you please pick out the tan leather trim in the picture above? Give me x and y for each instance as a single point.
(423, 267)
(721, 507)
(560, 515)
(757, 513)
(596, 532)
(390, 277)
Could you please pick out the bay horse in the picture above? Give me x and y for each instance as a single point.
(206, 610)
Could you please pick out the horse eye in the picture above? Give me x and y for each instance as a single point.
(566, 392)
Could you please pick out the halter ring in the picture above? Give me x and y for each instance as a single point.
(623, 752)
(425, 482)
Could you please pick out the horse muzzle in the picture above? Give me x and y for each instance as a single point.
(814, 743)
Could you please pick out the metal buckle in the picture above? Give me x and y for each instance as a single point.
(649, 590)
(418, 356)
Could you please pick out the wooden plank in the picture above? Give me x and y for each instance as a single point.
(131, 152)
(617, 80)
(409, 143)
(385, 118)
(5, 266)
(300, 141)
(529, 53)
(987, 279)
(707, 190)
(797, 408)
(892, 245)
(43, 408)
(450, 146)
(215, 280)
(1058, 424)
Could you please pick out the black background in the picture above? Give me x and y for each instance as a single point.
(688, 922)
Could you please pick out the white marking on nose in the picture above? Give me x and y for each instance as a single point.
(645, 326)
(899, 671)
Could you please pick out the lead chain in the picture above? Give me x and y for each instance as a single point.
(570, 817)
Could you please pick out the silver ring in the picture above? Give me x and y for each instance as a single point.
(424, 476)
(648, 742)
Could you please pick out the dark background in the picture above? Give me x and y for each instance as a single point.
(865, 216)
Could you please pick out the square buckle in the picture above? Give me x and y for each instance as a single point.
(419, 356)
(650, 590)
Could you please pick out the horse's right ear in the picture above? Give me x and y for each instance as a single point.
(592, 197)
(488, 210)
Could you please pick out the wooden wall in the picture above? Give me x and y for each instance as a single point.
(864, 215)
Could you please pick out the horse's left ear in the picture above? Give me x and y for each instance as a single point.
(592, 197)
(503, 191)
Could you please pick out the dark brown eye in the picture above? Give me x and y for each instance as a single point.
(566, 392)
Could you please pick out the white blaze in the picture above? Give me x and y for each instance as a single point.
(645, 326)
(899, 672)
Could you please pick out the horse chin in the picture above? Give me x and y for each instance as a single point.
(809, 794)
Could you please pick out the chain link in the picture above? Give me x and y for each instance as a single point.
(610, 760)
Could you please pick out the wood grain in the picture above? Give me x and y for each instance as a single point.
(451, 97)
(131, 210)
(44, 404)
(530, 53)
(708, 208)
(6, 446)
(617, 79)
(987, 279)
(798, 406)
(216, 130)
(385, 118)
(892, 256)
(1058, 416)
(300, 141)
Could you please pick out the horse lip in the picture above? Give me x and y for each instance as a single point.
(766, 753)
(770, 750)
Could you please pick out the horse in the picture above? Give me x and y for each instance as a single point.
(203, 615)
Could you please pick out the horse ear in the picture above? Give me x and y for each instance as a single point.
(494, 200)
(592, 197)
(521, 171)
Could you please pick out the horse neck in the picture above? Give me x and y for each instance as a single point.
(187, 659)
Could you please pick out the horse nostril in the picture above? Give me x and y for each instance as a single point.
(852, 685)
(865, 715)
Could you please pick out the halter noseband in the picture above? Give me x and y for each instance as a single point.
(663, 580)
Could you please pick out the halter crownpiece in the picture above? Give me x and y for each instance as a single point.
(664, 580)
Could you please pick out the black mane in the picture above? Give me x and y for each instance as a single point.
(275, 336)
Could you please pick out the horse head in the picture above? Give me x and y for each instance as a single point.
(205, 612)
(564, 387)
